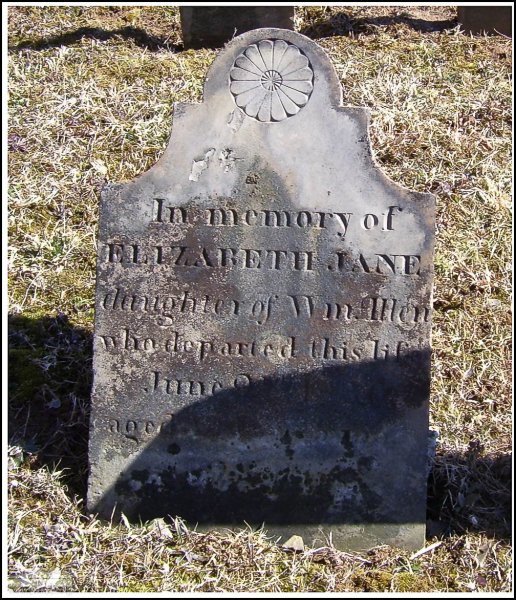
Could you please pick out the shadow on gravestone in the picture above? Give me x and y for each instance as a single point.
(294, 452)
(57, 437)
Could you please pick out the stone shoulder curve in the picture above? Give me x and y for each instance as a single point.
(362, 116)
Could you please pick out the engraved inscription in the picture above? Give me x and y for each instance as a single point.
(211, 258)
(135, 428)
(263, 259)
(166, 307)
(273, 347)
(382, 264)
(257, 217)
(182, 387)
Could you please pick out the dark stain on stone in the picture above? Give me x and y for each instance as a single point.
(174, 449)
(255, 499)
(348, 445)
(142, 475)
(252, 178)
(286, 439)
(365, 463)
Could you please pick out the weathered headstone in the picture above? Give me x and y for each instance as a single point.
(263, 310)
(213, 26)
(485, 19)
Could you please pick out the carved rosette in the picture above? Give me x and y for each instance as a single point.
(271, 80)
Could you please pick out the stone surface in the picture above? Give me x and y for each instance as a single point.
(263, 306)
(213, 26)
(294, 543)
(485, 19)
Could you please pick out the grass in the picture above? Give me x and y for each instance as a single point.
(51, 540)
(90, 99)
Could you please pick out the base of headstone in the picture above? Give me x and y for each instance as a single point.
(485, 19)
(214, 26)
(351, 538)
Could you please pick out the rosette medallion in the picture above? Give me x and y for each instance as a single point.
(271, 80)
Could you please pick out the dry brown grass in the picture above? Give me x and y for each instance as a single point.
(54, 546)
(91, 95)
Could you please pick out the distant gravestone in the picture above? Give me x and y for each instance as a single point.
(485, 19)
(263, 306)
(213, 26)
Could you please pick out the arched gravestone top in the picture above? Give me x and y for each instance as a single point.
(263, 309)
(324, 136)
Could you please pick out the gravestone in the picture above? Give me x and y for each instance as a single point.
(485, 19)
(263, 306)
(213, 26)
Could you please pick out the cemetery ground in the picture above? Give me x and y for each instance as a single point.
(91, 92)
